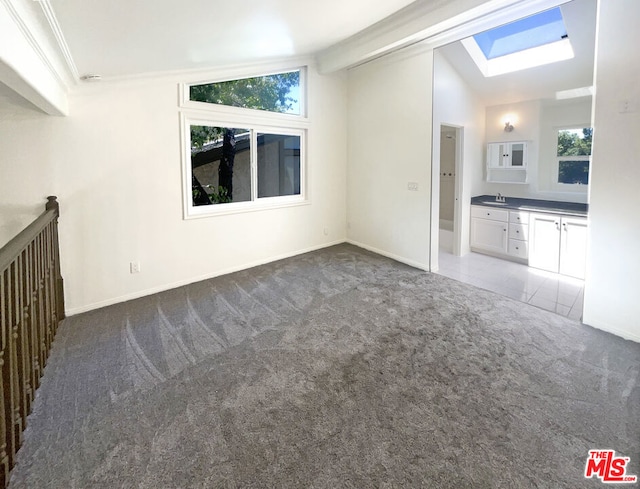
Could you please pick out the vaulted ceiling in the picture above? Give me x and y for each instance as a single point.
(542, 82)
(114, 38)
(117, 39)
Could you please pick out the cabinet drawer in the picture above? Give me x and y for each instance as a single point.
(519, 217)
(489, 213)
(518, 248)
(518, 231)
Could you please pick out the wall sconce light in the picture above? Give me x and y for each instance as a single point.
(508, 127)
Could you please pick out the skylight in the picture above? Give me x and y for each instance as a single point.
(533, 41)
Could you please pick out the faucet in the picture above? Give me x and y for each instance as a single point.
(500, 198)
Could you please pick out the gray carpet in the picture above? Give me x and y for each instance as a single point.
(333, 369)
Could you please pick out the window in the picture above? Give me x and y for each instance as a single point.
(243, 144)
(533, 41)
(574, 155)
(279, 92)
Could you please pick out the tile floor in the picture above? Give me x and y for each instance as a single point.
(550, 291)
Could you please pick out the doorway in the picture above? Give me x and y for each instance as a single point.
(447, 189)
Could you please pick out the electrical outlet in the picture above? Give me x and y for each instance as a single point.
(134, 267)
(626, 106)
(413, 186)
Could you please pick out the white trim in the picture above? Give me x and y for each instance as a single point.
(401, 259)
(28, 32)
(421, 22)
(256, 204)
(302, 116)
(47, 9)
(181, 283)
(520, 60)
(230, 71)
(616, 331)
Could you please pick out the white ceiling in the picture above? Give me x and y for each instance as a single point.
(122, 38)
(541, 82)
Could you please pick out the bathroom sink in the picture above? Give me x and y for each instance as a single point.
(490, 202)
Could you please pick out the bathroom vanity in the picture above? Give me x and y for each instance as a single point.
(544, 234)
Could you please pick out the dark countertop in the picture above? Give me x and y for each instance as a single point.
(549, 206)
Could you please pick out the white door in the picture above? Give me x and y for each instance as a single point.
(573, 246)
(489, 235)
(544, 241)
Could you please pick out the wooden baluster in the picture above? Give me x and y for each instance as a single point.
(21, 349)
(25, 334)
(48, 288)
(16, 422)
(5, 415)
(38, 361)
(42, 320)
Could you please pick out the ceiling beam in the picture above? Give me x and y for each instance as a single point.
(425, 21)
(25, 68)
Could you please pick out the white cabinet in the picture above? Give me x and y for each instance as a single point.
(558, 243)
(499, 231)
(573, 246)
(544, 241)
(489, 235)
(507, 162)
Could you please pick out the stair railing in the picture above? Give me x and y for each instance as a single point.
(31, 306)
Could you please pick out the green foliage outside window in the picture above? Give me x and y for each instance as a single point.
(570, 143)
(271, 92)
(576, 144)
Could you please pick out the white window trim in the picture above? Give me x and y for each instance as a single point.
(240, 111)
(207, 118)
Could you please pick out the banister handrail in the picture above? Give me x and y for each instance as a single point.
(13, 248)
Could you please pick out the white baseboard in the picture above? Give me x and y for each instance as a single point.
(616, 331)
(181, 283)
(401, 259)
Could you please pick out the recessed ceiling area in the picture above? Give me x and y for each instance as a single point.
(540, 82)
(116, 39)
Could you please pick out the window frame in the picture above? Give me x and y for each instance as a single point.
(207, 114)
(187, 119)
(187, 103)
(556, 168)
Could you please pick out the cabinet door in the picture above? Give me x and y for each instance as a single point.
(518, 154)
(489, 235)
(573, 246)
(544, 241)
(497, 155)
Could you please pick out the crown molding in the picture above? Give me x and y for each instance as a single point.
(29, 29)
(27, 65)
(50, 15)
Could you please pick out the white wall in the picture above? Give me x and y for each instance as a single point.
(455, 104)
(115, 164)
(389, 107)
(536, 122)
(613, 263)
(25, 180)
(525, 118)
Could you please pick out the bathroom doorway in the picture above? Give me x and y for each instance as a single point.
(449, 188)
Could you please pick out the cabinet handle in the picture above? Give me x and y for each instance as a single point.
(488, 213)
(564, 225)
(557, 225)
